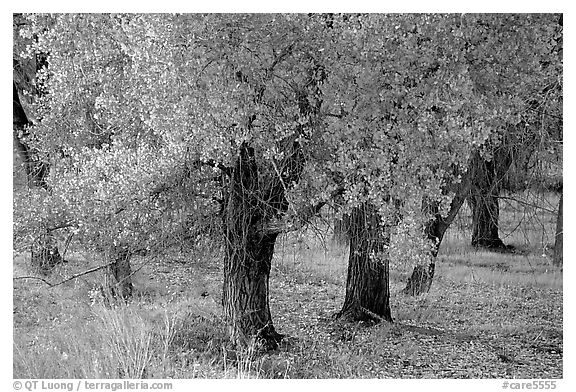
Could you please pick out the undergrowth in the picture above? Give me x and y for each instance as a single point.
(487, 315)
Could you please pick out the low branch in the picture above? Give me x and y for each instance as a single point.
(526, 204)
(69, 278)
(33, 277)
(309, 212)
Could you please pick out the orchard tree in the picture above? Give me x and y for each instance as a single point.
(107, 212)
(43, 245)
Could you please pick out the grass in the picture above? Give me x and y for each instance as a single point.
(69, 332)
(487, 315)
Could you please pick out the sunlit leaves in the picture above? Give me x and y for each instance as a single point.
(388, 106)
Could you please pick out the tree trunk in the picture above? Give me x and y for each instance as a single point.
(44, 253)
(421, 279)
(485, 216)
(36, 171)
(367, 285)
(120, 284)
(559, 242)
(248, 257)
(483, 199)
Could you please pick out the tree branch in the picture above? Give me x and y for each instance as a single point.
(212, 163)
(526, 204)
(309, 212)
(67, 279)
(61, 226)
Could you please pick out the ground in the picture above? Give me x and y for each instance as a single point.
(487, 315)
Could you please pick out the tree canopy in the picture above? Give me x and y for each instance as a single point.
(144, 116)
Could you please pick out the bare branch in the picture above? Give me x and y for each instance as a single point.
(33, 277)
(526, 204)
(69, 278)
(309, 212)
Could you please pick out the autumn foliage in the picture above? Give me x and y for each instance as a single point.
(155, 124)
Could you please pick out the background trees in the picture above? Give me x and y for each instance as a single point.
(152, 122)
(510, 61)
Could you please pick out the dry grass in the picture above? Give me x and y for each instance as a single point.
(67, 332)
(482, 307)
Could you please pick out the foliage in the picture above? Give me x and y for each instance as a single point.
(387, 106)
(142, 116)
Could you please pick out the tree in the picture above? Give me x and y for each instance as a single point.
(540, 95)
(72, 190)
(559, 243)
(420, 280)
(405, 144)
(367, 282)
(241, 106)
(259, 119)
(484, 196)
(512, 80)
(400, 144)
(44, 248)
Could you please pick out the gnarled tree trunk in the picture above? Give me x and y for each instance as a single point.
(36, 171)
(248, 257)
(367, 285)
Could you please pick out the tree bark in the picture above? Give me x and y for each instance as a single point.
(484, 198)
(120, 282)
(248, 257)
(485, 219)
(36, 171)
(44, 251)
(559, 241)
(367, 285)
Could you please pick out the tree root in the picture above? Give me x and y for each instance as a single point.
(358, 313)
